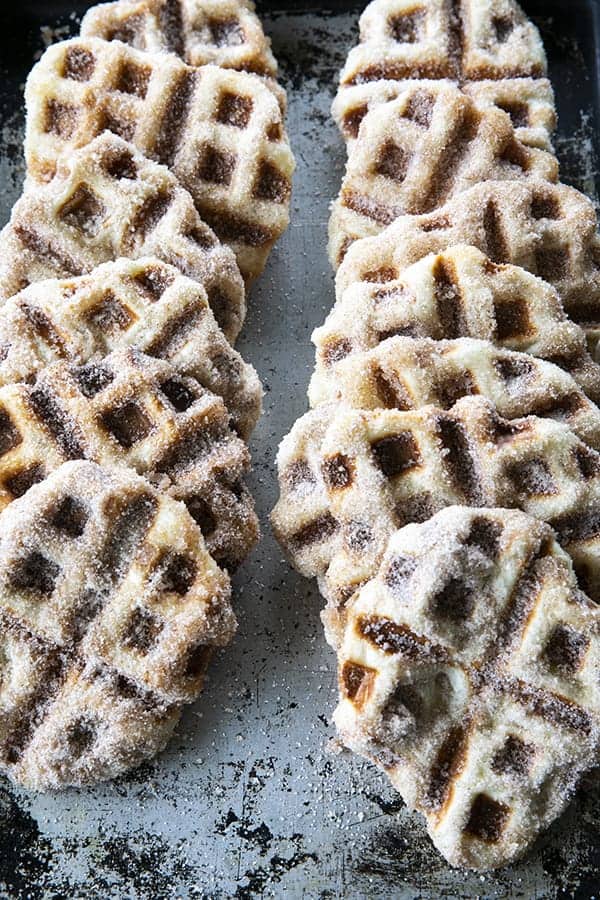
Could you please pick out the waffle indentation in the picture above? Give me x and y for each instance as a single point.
(396, 454)
(128, 424)
(83, 211)
(35, 573)
(79, 64)
(487, 819)
(234, 110)
(565, 649)
(407, 27)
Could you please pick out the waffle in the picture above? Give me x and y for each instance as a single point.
(108, 201)
(468, 672)
(549, 230)
(350, 478)
(111, 607)
(408, 373)
(465, 41)
(453, 294)
(201, 32)
(220, 132)
(129, 303)
(415, 153)
(128, 409)
(529, 103)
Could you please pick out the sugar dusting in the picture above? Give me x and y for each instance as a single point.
(247, 801)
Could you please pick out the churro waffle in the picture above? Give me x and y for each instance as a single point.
(367, 473)
(408, 373)
(528, 101)
(549, 230)
(415, 153)
(468, 41)
(225, 33)
(141, 303)
(107, 201)
(220, 132)
(468, 672)
(111, 607)
(453, 294)
(128, 409)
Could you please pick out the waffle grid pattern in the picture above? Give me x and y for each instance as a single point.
(108, 201)
(529, 102)
(349, 483)
(408, 373)
(143, 304)
(111, 607)
(444, 487)
(123, 405)
(225, 33)
(549, 230)
(491, 51)
(466, 41)
(458, 293)
(417, 152)
(220, 132)
(130, 410)
(468, 672)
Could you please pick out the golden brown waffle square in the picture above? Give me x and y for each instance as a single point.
(549, 230)
(468, 672)
(528, 101)
(466, 40)
(457, 293)
(111, 607)
(141, 303)
(416, 153)
(408, 373)
(350, 478)
(129, 409)
(225, 33)
(108, 201)
(220, 132)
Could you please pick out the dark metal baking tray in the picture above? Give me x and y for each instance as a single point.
(249, 800)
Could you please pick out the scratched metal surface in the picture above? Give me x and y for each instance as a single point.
(249, 799)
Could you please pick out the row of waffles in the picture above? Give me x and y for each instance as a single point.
(158, 179)
(444, 489)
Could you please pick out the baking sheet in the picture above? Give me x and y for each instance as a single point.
(251, 799)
